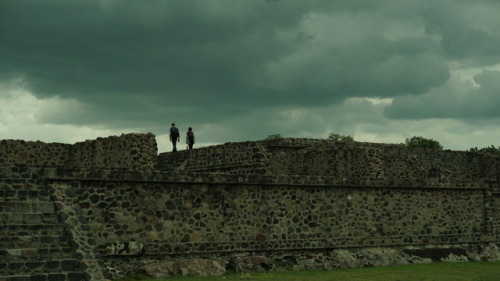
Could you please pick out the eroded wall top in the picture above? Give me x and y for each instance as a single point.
(346, 163)
(374, 162)
(128, 151)
(351, 163)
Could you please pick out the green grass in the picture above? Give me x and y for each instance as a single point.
(472, 271)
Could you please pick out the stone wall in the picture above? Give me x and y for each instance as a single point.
(128, 152)
(233, 158)
(267, 205)
(365, 163)
(34, 154)
(382, 162)
(34, 244)
(158, 217)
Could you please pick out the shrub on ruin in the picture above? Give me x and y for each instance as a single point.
(489, 149)
(274, 137)
(339, 137)
(421, 142)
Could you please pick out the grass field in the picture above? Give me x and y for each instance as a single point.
(473, 271)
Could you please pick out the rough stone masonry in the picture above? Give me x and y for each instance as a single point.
(113, 206)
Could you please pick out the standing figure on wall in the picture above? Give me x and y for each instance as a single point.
(190, 138)
(174, 137)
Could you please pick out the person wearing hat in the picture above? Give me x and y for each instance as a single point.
(174, 137)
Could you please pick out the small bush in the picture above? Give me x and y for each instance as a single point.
(421, 142)
(339, 137)
(489, 149)
(274, 137)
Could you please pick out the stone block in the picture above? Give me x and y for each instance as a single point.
(14, 252)
(69, 265)
(18, 278)
(125, 249)
(32, 218)
(15, 266)
(14, 218)
(43, 207)
(40, 277)
(76, 276)
(7, 207)
(56, 277)
(52, 265)
(34, 265)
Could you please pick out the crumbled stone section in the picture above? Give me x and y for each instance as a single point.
(34, 154)
(129, 151)
(126, 152)
(111, 207)
(199, 267)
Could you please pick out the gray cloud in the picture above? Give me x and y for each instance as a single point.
(457, 99)
(140, 64)
(467, 30)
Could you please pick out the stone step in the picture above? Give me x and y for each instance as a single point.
(27, 207)
(32, 229)
(18, 194)
(53, 276)
(27, 218)
(10, 255)
(37, 267)
(40, 241)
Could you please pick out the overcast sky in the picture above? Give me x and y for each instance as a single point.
(238, 70)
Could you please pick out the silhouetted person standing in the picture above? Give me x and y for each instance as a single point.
(174, 137)
(190, 138)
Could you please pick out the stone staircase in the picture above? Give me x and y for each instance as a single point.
(34, 245)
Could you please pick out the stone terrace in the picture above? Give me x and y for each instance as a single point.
(112, 206)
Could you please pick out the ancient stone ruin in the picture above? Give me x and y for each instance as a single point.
(113, 206)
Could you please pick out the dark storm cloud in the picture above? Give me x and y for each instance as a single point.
(467, 29)
(372, 66)
(213, 60)
(119, 52)
(461, 101)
